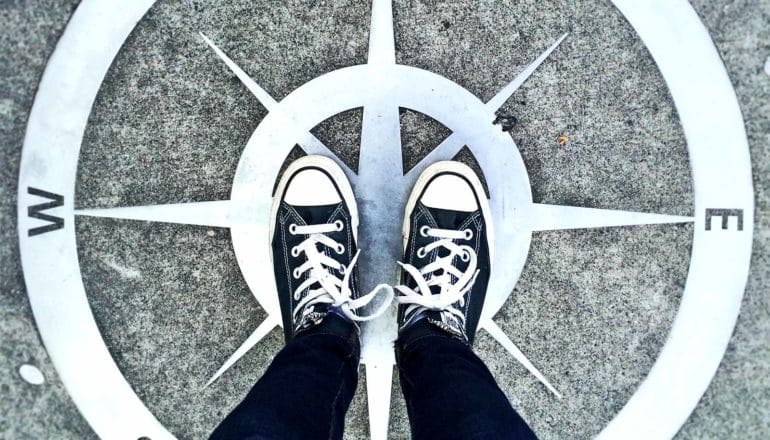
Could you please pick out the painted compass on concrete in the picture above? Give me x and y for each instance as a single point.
(679, 43)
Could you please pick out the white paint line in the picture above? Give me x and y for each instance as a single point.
(379, 380)
(309, 143)
(503, 95)
(262, 96)
(555, 217)
(452, 144)
(382, 45)
(262, 330)
(497, 333)
(215, 214)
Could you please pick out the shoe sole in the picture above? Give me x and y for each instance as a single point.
(333, 171)
(453, 167)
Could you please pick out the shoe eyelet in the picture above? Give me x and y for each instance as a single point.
(465, 256)
(339, 225)
(342, 269)
(296, 296)
(421, 252)
(295, 252)
(293, 229)
(295, 273)
(468, 234)
(424, 230)
(340, 249)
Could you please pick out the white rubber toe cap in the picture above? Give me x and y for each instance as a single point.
(451, 192)
(311, 187)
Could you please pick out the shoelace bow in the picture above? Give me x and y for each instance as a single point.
(333, 291)
(440, 273)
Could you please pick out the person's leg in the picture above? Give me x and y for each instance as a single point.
(449, 392)
(305, 392)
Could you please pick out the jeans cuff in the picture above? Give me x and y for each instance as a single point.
(338, 326)
(420, 330)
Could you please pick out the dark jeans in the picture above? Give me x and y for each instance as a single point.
(306, 391)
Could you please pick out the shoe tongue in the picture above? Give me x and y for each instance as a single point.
(446, 219)
(313, 215)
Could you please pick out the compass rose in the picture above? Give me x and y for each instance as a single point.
(723, 205)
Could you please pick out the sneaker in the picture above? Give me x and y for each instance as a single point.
(447, 238)
(314, 230)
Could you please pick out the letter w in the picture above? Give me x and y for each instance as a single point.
(36, 211)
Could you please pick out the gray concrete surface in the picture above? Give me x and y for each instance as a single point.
(29, 33)
(592, 308)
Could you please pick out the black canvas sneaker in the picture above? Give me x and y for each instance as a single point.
(447, 237)
(314, 230)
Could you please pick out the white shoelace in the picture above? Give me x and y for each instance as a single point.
(333, 291)
(449, 292)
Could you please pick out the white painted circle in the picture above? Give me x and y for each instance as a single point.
(416, 89)
(719, 266)
(31, 374)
